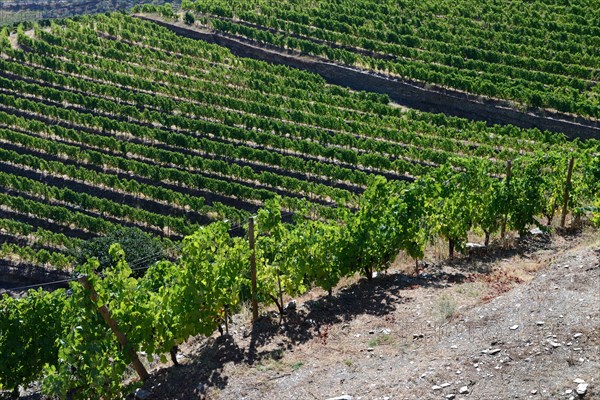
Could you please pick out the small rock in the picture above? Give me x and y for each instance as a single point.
(454, 346)
(450, 396)
(201, 389)
(494, 351)
(343, 397)
(534, 391)
(536, 232)
(443, 385)
(554, 344)
(539, 323)
(474, 247)
(581, 389)
(577, 335)
(463, 390)
(568, 391)
(291, 306)
(370, 349)
(142, 394)
(578, 380)
(436, 387)
(514, 327)
(371, 332)
(386, 331)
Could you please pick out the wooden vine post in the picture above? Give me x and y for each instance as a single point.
(505, 217)
(251, 242)
(565, 209)
(103, 310)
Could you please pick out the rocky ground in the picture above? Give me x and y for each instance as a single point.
(523, 323)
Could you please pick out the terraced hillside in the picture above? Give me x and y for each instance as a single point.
(109, 121)
(112, 121)
(540, 54)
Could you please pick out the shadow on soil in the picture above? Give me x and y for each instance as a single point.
(269, 339)
(480, 260)
(378, 297)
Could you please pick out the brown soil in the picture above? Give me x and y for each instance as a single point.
(523, 323)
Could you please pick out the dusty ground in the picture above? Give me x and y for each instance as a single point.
(515, 324)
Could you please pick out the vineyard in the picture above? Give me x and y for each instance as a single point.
(110, 121)
(540, 54)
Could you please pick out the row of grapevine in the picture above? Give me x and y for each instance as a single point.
(319, 122)
(41, 258)
(175, 300)
(108, 121)
(312, 141)
(384, 148)
(39, 236)
(460, 45)
(107, 209)
(113, 114)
